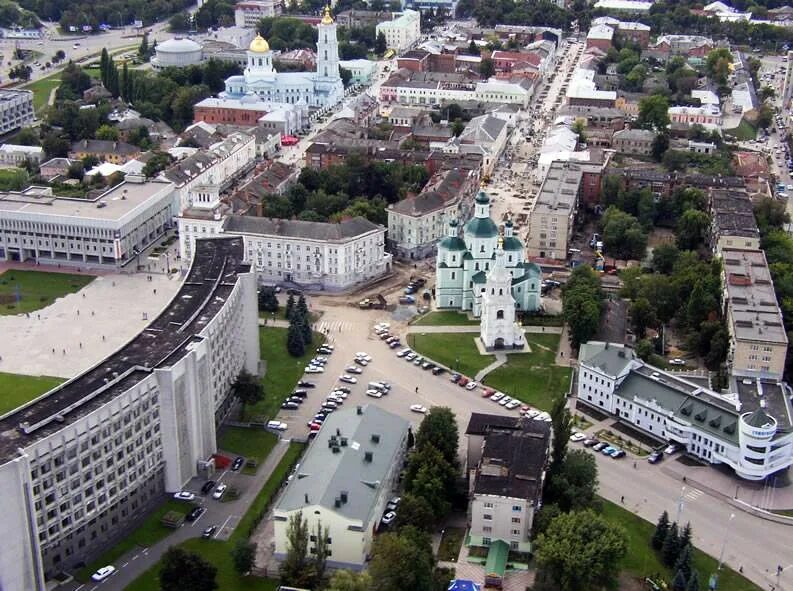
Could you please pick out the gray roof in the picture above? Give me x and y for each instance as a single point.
(344, 230)
(484, 128)
(610, 358)
(513, 463)
(324, 475)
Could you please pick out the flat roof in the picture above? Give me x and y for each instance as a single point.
(213, 274)
(559, 191)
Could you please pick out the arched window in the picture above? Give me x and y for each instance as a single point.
(500, 315)
(482, 248)
(477, 267)
(260, 61)
(326, 54)
(492, 291)
(500, 291)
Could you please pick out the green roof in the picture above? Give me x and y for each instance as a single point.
(452, 243)
(481, 228)
(482, 198)
(496, 564)
(479, 277)
(512, 243)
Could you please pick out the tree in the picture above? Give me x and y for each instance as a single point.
(642, 316)
(268, 302)
(415, 511)
(581, 551)
(671, 547)
(301, 314)
(693, 582)
(20, 72)
(346, 76)
(186, 570)
(766, 93)
(579, 128)
(660, 146)
(575, 484)
(290, 306)
(458, 127)
(143, 48)
(402, 560)
(294, 340)
(439, 429)
(380, 44)
(661, 530)
(544, 517)
(644, 350)
(692, 229)
(679, 582)
(664, 258)
(247, 388)
(27, 136)
(320, 551)
(581, 304)
(487, 68)
(770, 214)
(158, 162)
(717, 65)
(562, 425)
(765, 116)
(653, 113)
(685, 537)
(473, 48)
(243, 555)
(296, 569)
(683, 563)
(107, 132)
(345, 580)
(623, 236)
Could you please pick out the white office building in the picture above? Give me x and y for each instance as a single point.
(106, 232)
(401, 32)
(16, 155)
(344, 482)
(248, 13)
(748, 429)
(16, 109)
(83, 463)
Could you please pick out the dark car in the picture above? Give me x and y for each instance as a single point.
(290, 406)
(436, 371)
(599, 446)
(209, 532)
(455, 378)
(293, 292)
(590, 442)
(305, 384)
(195, 513)
(300, 393)
(344, 389)
(208, 486)
(238, 462)
(295, 399)
(655, 457)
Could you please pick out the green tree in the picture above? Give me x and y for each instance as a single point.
(683, 563)
(473, 48)
(345, 580)
(301, 314)
(642, 316)
(415, 511)
(661, 530)
(243, 555)
(107, 132)
(428, 484)
(458, 127)
(693, 582)
(27, 136)
(581, 304)
(562, 425)
(717, 65)
(664, 258)
(692, 229)
(660, 146)
(487, 68)
(296, 569)
(380, 44)
(644, 350)
(439, 429)
(247, 388)
(579, 128)
(143, 48)
(295, 344)
(186, 570)
(653, 113)
(671, 547)
(701, 304)
(158, 162)
(268, 302)
(402, 560)
(290, 306)
(770, 214)
(766, 93)
(430, 456)
(679, 582)
(320, 553)
(623, 236)
(581, 551)
(545, 516)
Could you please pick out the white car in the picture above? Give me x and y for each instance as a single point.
(576, 437)
(374, 393)
(103, 573)
(504, 401)
(671, 448)
(348, 378)
(677, 361)
(277, 425)
(418, 408)
(219, 491)
(403, 352)
(353, 369)
(389, 518)
(364, 356)
(471, 385)
(496, 397)
(513, 404)
(339, 394)
(543, 416)
(314, 369)
(184, 495)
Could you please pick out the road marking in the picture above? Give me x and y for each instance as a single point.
(693, 494)
(80, 587)
(222, 527)
(135, 557)
(125, 564)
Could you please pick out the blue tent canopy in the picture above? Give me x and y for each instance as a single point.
(463, 585)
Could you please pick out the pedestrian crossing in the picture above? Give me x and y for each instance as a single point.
(692, 494)
(334, 327)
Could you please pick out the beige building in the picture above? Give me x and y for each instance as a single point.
(758, 342)
(633, 141)
(344, 482)
(551, 220)
(401, 32)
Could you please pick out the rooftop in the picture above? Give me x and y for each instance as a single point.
(343, 231)
(732, 214)
(345, 466)
(513, 462)
(212, 276)
(559, 191)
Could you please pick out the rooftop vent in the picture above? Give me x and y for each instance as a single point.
(359, 410)
(344, 442)
(306, 498)
(344, 496)
(336, 449)
(367, 456)
(375, 438)
(337, 503)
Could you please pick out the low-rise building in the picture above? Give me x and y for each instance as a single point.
(109, 231)
(344, 481)
(706, 148)
(16, 109)
(620, 6)
(748, 429)
(752, 167)
(582, 91)
(633, 141)
(177, 53)
(733, 224)
(363, 71)
(104, 151)
(416, 223)
(16, 155)
(600, 36)
(551, 220)
(402, 32)
(252, 110)
(55, 167)
(484, 135)
(709, 116)
(689, 46)
(431, 88)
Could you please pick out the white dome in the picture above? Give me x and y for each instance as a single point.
(178, 46)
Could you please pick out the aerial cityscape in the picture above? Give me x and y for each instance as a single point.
(427, 295)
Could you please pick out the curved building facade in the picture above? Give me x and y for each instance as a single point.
(177, 53)
(84, 462)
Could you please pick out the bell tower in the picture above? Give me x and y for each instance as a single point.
(327, 48)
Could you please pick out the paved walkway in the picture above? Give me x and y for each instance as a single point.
(472, 328)
(501, 359)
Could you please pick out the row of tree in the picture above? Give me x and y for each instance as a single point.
(676, 552)
(582, 301)
(117, 13)
(299, 334)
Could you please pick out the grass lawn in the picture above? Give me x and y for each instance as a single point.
(445, 318)
(642, 560)
(283, 370)
(37, 289)
(447, 348)
(744, 132)
(219, 553)
(148, 533)
(532, 377)
(451, 541)
(41, 90)
(249, 442)
(16, 389)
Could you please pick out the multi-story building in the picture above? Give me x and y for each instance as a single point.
(447, 6)
(250, 111)
(402, 32)
(583, 92)
(16, 109)
(248, 13)
(484, 135)
(15, 155)
(431, 88)
(600, 36)
(633, 141)
(733, 225)
(551, 220)
(748, 429)
(462, 263)
(758, 341)
(220, 165)
(83, 463)
(689, 46)
(708, 116)
(106, 232)
(104, 151)
(344, 481)
(416, 223)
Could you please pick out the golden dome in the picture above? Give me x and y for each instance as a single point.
(327, 18)
(259, 45)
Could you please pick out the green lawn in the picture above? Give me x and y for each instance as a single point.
(283, 370)
(533, 377)
(454, 350)
(642, 560)
(249, 442)
(451, 541)
(41, 90)
(37, 289)
(445, 318)
(148, 533)
(744, 132)
(16, 390)
(219, 553)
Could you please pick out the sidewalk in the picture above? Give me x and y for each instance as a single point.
(501, 359)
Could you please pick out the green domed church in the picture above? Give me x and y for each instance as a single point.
(464, 262)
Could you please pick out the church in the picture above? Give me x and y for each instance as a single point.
(321, 88)
(482, 261)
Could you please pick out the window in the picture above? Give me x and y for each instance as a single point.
(517, 508)
(487, 517)
(487, 529)
(485, 541)
(516, 520)
(488, 505)
(515, 532)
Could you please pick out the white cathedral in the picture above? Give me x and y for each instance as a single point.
(314, 89)
(486, 273)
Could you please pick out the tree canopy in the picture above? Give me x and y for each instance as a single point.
(186, 570)
(581, 304)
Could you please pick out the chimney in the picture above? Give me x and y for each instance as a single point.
(375, 438)
(344, 496)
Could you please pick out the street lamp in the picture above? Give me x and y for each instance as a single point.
(714, 578)
(680, 504)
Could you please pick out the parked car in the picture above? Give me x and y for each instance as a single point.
(277, 425)
(238, 463)
(361, 362)
(196, 512)
(576, 437)
(103, 573)
(305, 384)
(599, 446)
(314, 369)
(209, 532)
(407, 300)
(590, 442)
(184, 495)
(374, 393)
(608, 450)
(617, 453)
(455, 377)
(220, 490)
(655, 457)
(513, 404)
(403, 352)
(347, 378)
(671, 448)
(471, 385)
(290, 405)
(393, 504)
(344, 389)
(677, 361)
(208, 486)
(353, 369)
(504, 401)
(388, 518)
(463, 381)
(496, 397)
(436, 371)
(418, 408)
